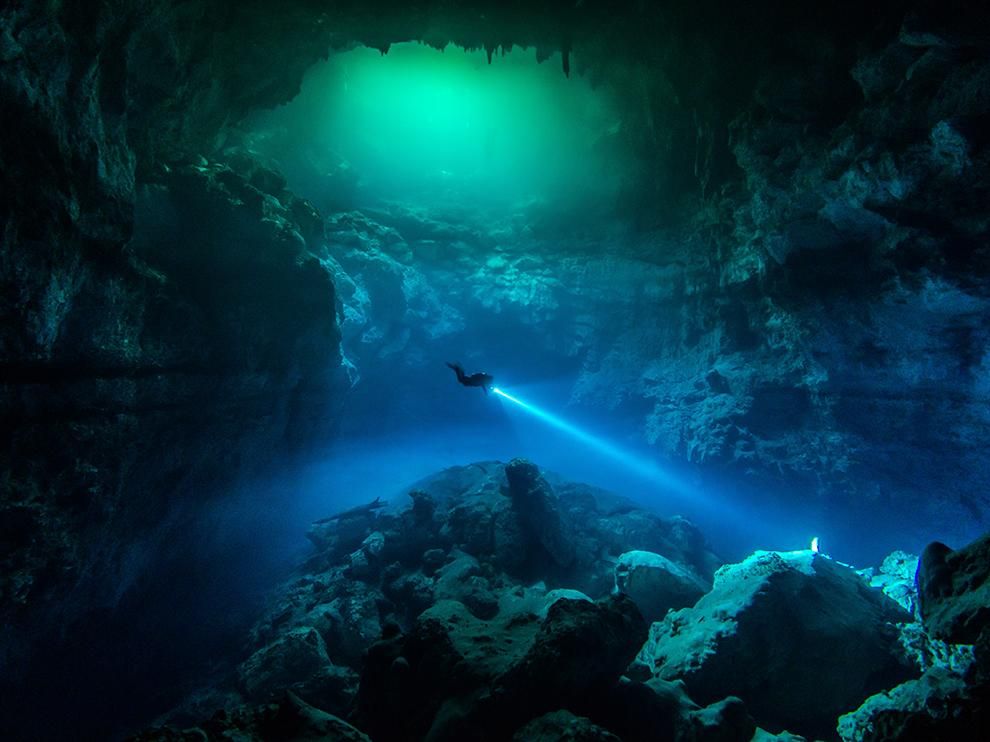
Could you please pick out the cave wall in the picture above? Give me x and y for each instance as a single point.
(166, 327)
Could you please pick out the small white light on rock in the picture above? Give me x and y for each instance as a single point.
(814, 544)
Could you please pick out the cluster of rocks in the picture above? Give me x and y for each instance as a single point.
(502, 603)
(799, 636)
(488, 602)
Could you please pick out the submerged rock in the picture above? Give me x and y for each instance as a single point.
(896, 577)
(725, 720)
(461, 580)
(580, 646)
(289, 719)
(936, 706)
(950, 700)
(656, 584)
(954, 591)
(298, 661)
(762, 735)
(661, 710)
(799, 637)
(457, 677)
(539, 512)
(563, 726)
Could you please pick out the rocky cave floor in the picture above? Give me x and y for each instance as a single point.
(505, 603)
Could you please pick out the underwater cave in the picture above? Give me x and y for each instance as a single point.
(476, 370)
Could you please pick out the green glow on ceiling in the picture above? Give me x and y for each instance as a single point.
(432, 125)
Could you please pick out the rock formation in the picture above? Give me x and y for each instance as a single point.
(798, 637)
(452, 644)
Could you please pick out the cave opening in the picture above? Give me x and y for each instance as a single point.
(448, 130)
(461, 177)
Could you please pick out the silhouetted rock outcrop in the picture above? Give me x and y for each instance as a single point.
(457, 677)
(538, 512)
(954, 591)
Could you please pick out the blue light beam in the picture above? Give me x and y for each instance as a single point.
(642, 467)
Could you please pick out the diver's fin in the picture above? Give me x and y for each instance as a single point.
(458, 369)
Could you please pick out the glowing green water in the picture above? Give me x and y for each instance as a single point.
(426, 125)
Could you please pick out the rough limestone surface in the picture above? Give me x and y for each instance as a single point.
(539, 511)
(440, 570)
(936, 706)
(896, 578)
(289, 718)
(799, 637)
(659, 709)
(240, 321)
(563, 726)
(458, 677)
(298, 661)
(656, 584)
(954, 591)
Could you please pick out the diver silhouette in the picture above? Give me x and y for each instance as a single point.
(485, 381)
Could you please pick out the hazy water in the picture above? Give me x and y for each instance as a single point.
(446, 128)
(447, 132)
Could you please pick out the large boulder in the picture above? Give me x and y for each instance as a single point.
(799, 637)
(954, 590)
(580, 645)
(455, 676)
(539, 511)
(656, 584)
(298, 661)
(563, 726)
(461, 580)
(661, 710)
(896, 577)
